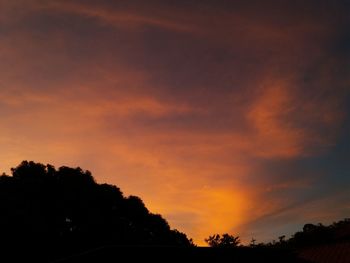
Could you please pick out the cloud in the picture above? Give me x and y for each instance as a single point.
(288, 219)
(121, 18)
(269, 116)
(216, 116)
(280, 117)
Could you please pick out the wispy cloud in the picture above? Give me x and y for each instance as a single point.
(190, 108)
(122, 18)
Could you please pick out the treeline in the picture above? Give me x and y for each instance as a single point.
(58, 212)
(311, 235)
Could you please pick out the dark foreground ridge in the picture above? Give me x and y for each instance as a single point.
(63, 215)
(54, 213)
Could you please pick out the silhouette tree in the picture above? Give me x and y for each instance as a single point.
(321, 234)
(313, 235)
(66, 210)
(225, 240)
(252, 242)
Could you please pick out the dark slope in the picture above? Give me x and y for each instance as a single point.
(52, 213)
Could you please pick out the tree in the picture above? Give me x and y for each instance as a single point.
(65, 209)
(224, 240)
(252, 242)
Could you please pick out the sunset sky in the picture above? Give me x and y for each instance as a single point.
(223, 116)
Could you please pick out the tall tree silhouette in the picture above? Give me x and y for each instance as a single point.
(66, 209)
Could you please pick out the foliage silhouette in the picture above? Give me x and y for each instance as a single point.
(65, 210)
(225, 240)
(312, 235)
(320, 234)
(60, 212)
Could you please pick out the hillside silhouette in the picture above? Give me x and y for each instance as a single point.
(61, 211)
(63, 215)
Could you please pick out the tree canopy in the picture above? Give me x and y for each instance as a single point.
(48, 207)
(224, 241)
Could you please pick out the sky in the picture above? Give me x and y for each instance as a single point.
(223, 116)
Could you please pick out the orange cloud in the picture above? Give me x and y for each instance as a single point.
(177, 172)
(275, 134)
(188, 123)
(279, 117)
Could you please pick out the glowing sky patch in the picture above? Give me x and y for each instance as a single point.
(221, 116)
